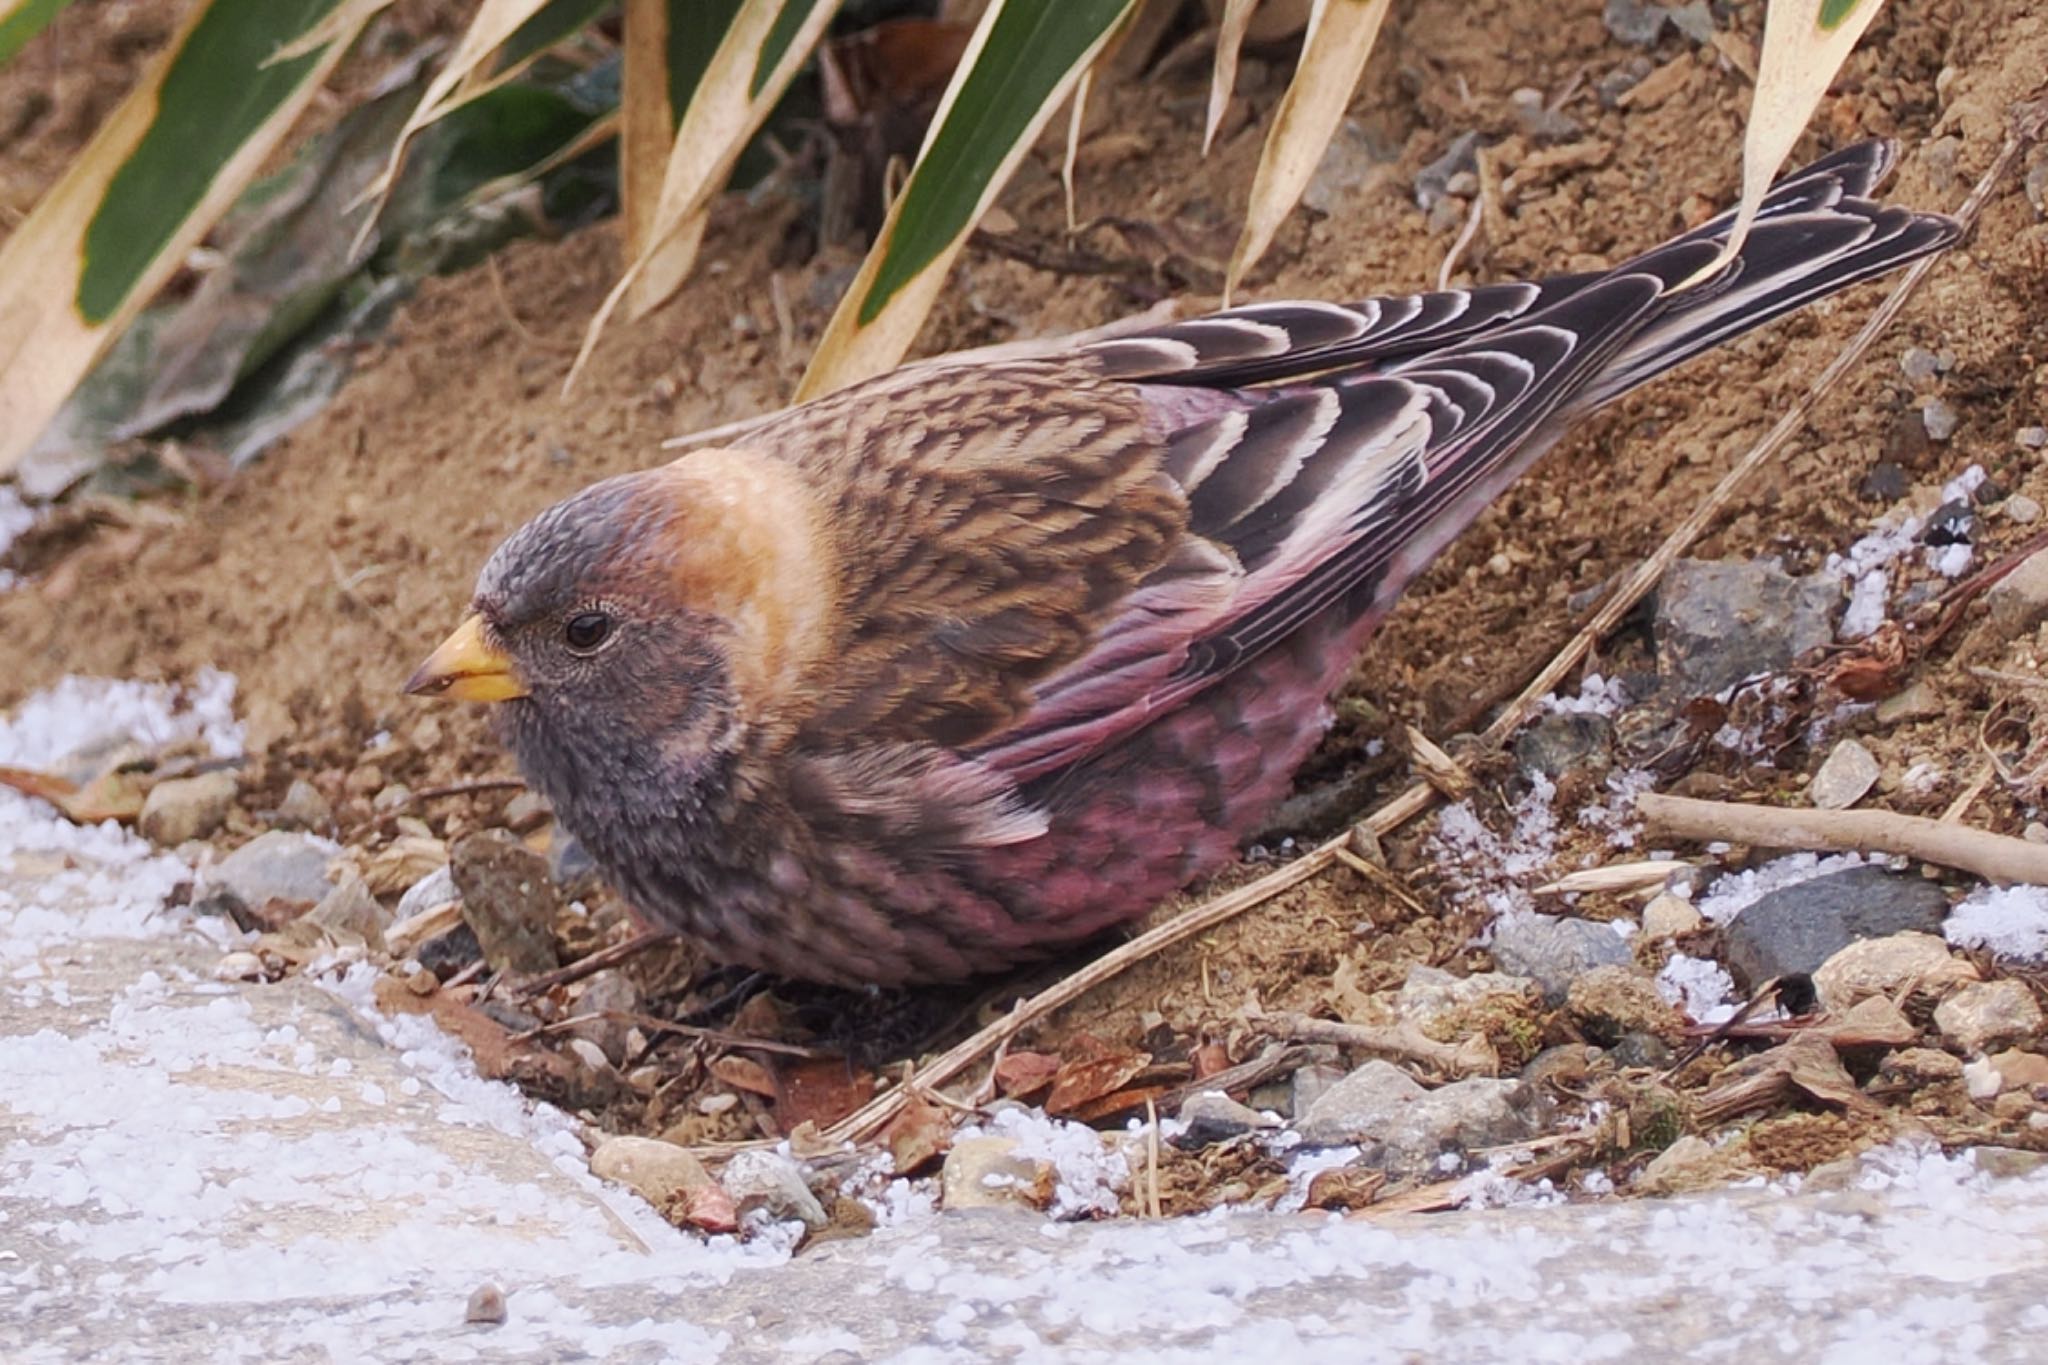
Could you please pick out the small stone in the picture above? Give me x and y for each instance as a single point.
(1848, 774)
(1992, 1014)
(771, 1182)
(1569, 1064)
(449, 952)
(486, 1306)
(1719, 622)
(1920, 1066)
(1887, 966)
(182, 808)
(1885, 482)
(400, 864)
(437, 888)
(2020, 510)
(1982, 1080)
(1563, 741)
(2021, 1070)
(391, 798)
(589, 1054)
(600, 1005)
(239, 966)
(1917, 702)
(1668, 916)
(527, 812)
(1640, 1051)
(665, 1175)
(2018, 602)
(1797, 928)
(2033, 438)
(1212, 1116)
(1635, 23)
(1431, 997)
(304, 807)
(987, 1173)
(275, 866)
(1406, 1131)
(1940, 419)
(1349, 164)
(1432, 182)
(508, 900)
(1919, 364)
(1691, 1163)
(1555, 951)
(349, 911)
(1342, 1189)
(1306, 1086)
(1608, 1003)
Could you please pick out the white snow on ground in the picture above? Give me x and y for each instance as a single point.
(1599, 696)
(1087, 1171)
(1866, 563)
(1700, 986)
(2009, 921)
(57, 866)
(1481, 864)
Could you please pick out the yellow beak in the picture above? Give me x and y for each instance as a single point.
(467, 667)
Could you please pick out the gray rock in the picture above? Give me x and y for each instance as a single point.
(1849, 772)
(1432, 182)
(304, 807)
(277, 866)
(1622, 79)
(1939, 417)
(2033, 438)
(1694, 19)
(1564, 740)
(182, 808)
(1799, 927)
(436, 888)
(1634, 23)
(1407, 1131)
(1990, 1015)
(1554, 951)
(1349, 166)
(771, 1182)
(1309, 1085)
(508, 900)
(1720, 622)
(2018, 602)
(2020, 509)
(1212, 1116)
(1919, 364)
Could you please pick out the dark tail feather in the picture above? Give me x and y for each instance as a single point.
(1816, 235)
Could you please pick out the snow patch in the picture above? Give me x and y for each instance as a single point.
(1735, 892)
(2008, 921)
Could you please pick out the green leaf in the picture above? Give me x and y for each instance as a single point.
(21, 20)
(787, 25)
(1833, 12)
(216, 93)
(1032, 51)
(695, 29)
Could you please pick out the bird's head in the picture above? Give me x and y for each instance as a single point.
(645, 622)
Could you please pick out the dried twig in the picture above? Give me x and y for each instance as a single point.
(1473, 1057)
(1994, 857)
(1438, 768)
(591, 964)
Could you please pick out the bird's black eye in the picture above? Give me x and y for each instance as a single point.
(586, 630)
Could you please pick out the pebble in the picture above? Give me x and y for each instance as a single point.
(486, 1306)
(1349, 162)
(1989, 1015)
(392, 797)
(1668, 916)
(2033, 438)
(350, 911)
(1718, 622)
(1940, 419)
(435, 889)
(1609, 1003)
(771, 1182)
(239, 966)
(1982, 1080)
(1797, 928)
(1307, 1085)
(1555, 951)
(1635, 23)
(604, 997)
(2018, 602)
(182, 808)
(1432, 997)
(1845, 778)
(508, 900)
(1920, 1066)
(665, 1175)
(2021, 1070)
(1570, 1064)
(1886, 966)
(304, 807)
(1919, 364)
(1432, 182)
(1641, 1050)
(275, 866)
(2020, 510)
(1212, 1116)
(1563, 741)
(1918, 702)
(527, 812)
(987, 1173)
(1691, 1163)
(1405, 1130)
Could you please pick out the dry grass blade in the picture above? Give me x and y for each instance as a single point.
(1340, 37)
(1237, 16)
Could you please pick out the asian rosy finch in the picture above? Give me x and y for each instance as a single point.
(969, 662)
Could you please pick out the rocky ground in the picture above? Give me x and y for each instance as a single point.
(1446, 1016)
